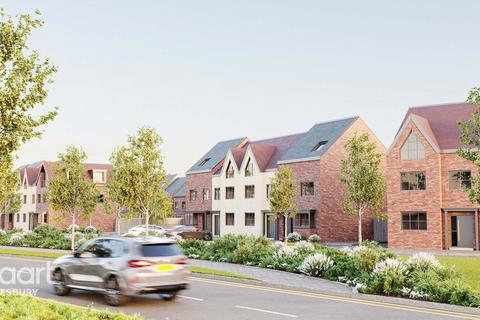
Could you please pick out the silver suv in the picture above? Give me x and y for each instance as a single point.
(123, 267)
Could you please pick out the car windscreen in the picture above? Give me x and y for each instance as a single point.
(161, 250)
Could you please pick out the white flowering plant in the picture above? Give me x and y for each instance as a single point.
(294, 237)
(314, 238)
(423, 262)
(316, 265)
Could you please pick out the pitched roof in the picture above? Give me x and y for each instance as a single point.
(440, 122)
(238, 155)
(215, 155)
(282, 146)
(263, 153)
(326, 132)
(175, 186)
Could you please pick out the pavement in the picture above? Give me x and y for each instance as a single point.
(237, 300)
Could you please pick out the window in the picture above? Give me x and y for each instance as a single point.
(193, 195)
(412, 149)
(460, 180)
(216, 194)
(319, 146)
(25, 199)
(24, 217)
(249, 219)
(205, 194)
(413, 180)
(184, 205)
(414, 221)
(302, 220)
(307, 189)
(39, 198)
(204, 161)
(230, 171)
(229, 219)
(249, 168)
(188, 219)
(229, 192)
(161, 250)
(175, 206)
(269, 190)
(18, 217)
(45, 218)
(249, 192)
(33, 198)
(98, 176)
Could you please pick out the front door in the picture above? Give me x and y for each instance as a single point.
(216, 224)
(465, 231)
(271, 230)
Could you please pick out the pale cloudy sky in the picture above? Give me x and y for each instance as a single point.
(204, 71)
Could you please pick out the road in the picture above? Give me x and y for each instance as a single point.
(215, 299)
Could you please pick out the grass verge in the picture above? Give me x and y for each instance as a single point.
(29, 253)
(201, 270)
(14, 306)
(468, 267)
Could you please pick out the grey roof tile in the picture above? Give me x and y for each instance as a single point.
(214, 156)
(326, 131)
(174, 187)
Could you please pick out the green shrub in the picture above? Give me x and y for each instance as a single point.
(346, 268)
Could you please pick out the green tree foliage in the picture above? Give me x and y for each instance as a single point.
(283, 195)
(70, 191)
(470, 137)
(23, 80)
(138, 176)
(364, 183)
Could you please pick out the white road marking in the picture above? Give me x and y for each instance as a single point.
(268, 311)
(189, 298)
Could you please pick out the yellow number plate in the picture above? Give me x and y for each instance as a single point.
(165, 267)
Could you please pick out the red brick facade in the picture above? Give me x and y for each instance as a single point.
(198, 182)
(331, 223)
(436, 197)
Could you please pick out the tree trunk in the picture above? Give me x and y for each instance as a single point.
(73, 233)
(146, 223)
(118, 223)
(360, 226)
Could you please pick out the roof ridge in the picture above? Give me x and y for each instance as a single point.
(336, 120)
(446, 104)
(278, 137)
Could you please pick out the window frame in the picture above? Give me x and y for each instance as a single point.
(250, 221)
(460, 181)
(302, 190)
(250, 196)
(413, 172)
(249, 168)
(217, 194)
(193, 194)
(227, 189)
(419, 148)
(230, 171)
(227, 216)
(418, 220)
(205, 194)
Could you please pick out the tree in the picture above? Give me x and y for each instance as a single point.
(138, 176)
(23, 77)
(363, 180)
(23, 80)
(70, 191)
(470, 137)
(283, 195)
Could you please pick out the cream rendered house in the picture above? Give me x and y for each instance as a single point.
(241, 188)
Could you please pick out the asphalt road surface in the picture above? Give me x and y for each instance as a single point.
(216, 299)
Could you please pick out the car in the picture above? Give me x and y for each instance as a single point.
(188, 232)
(123, 267)
(142, 229)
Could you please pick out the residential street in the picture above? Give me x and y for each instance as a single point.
(215, 299)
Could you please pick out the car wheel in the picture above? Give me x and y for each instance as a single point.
(60, 285)
(113, 294)
(207, 237)
(169, 296)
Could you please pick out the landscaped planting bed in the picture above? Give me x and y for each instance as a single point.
(46, 237)
(368, 267)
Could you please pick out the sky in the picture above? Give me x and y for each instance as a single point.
(205, 71)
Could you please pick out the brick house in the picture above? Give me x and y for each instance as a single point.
(176, 190)
(34, 209)
(198, 184)
(241, 174)
(427, 207)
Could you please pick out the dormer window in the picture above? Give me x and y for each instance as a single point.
(99, 176)
(412, 149)
(204, 161)
(230, 171)
(319, 146)
(249, 168)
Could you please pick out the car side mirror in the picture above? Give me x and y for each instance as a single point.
(76, 254)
